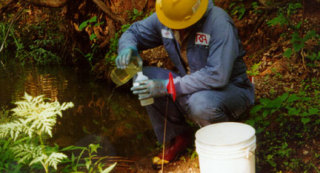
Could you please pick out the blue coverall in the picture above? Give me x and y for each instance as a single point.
(217, 87)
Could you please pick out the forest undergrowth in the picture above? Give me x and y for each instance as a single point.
(282, 40)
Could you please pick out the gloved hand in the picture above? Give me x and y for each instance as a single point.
(150, 88)
(124, 57)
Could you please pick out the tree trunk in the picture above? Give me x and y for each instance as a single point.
(108, 12)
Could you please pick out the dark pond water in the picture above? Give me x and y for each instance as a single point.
(111, 117)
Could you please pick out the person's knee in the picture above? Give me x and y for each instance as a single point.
(204, 110)
(205, 116)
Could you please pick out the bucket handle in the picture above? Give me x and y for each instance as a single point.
(249, 153)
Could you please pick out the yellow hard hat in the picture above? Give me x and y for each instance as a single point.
(180, 14)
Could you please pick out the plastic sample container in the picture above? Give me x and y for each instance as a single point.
(122, 76)
(141, 77)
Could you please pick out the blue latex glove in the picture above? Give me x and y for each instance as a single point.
(125, 55)
(150, 88)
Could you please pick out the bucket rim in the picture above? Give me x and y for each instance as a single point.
(220, 150)
(250, 136)
(245, 143)
(234, 147)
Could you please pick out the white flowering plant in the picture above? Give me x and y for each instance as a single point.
(32, 121)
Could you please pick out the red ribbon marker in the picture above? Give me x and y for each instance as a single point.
(170, 87)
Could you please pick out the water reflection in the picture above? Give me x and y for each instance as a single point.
(43, 84)
(118, 120)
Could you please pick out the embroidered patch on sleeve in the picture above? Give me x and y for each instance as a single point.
(166, 34)
(202, 39)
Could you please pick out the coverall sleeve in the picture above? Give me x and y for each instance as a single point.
(142, 35)
(224, 49)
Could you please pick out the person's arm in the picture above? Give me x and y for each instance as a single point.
(142, 35)
(224, 49)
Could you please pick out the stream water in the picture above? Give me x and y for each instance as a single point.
(111, 117)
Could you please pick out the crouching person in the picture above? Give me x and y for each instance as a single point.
(210, 81)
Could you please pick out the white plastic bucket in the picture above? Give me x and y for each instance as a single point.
(227, 147)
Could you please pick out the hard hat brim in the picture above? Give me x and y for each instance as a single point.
(174, 24)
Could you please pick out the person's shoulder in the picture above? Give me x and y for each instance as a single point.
(218, 22)
(152, 17)
(217, 12)
(151, 21)
(217, 17)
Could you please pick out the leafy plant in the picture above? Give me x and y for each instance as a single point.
(7, 42)
(89, 163)
(3, 33)
(255, 7)
(113, 45)
(270, 106)
(7, 162)
(284, 124)
(135, 14)
(284, 14)
(279, 20)
(7, 159)
(298, 43)
(254, 71)
(237, 9)
(92, 22)
(293, 7)
(88, 23)
(290, 103)
(33, 121)
(41, 55)
(315, 56)
(43, 47)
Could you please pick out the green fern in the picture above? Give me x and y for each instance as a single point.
(34, 119)
(55, 158)
(12, 129)
(32, 154)
(25, 153)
